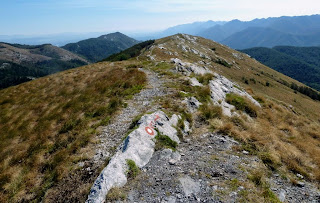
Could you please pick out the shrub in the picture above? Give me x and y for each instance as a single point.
(267, 84)
(242, 104)
(223, 62)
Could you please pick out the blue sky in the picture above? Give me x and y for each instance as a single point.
(33, 17)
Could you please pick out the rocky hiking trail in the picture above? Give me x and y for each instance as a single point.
(141, 103)
(109, 138)
(205, 168)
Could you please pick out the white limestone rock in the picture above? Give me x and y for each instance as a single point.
(139, 147)
(188, 68)
(189, 185)
(192, 104)
(220, 87)
(186, 128)
(195, 82)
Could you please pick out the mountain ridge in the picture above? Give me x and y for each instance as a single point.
(188, 119)
(304, 28)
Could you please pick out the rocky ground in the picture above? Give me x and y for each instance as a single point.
(207, 169)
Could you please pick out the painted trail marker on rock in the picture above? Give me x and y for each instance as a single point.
(139, 147)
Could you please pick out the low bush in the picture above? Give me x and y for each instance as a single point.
(223, 62)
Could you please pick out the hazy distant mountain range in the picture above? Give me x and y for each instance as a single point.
(269, 32)
(300, 63)
(266, 32)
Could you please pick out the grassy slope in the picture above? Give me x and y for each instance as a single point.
(285, 134)
(43, 124)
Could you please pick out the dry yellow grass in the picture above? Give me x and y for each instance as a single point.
(43, 124)
(282, 139)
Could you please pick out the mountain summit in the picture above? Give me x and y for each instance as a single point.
(185, 119)
(96, 49)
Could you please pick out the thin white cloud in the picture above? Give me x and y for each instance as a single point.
(180, 6)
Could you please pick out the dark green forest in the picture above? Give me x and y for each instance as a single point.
(14, 74)
(129, 53)
(300, 63)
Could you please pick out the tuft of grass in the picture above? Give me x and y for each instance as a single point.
(242, 104)
(269, 160)
(295, 164)
(256, 177)
(203, 94)
(133, 170)
(163, 141)
(270, 196)
(205, 79)
(116, 194)
(210, 111)
(234, 184)
(135, 121)
(260, 99)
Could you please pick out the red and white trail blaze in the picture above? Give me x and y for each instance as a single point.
(150, 127)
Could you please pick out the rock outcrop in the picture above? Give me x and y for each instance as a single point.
(138, 147)
(220, 87)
